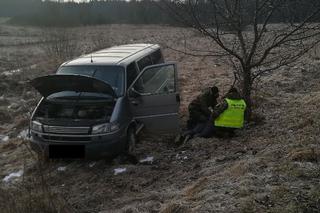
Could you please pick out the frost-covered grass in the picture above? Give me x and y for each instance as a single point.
(271, 166)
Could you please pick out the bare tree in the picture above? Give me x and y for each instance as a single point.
(101, 39)
(259, 36)
(60, 44)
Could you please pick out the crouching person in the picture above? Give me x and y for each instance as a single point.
(200, 111)
(229, 115)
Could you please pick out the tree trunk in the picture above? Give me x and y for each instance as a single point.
(246, 91)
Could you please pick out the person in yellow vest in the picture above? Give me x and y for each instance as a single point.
(225, 117)
(230, 114)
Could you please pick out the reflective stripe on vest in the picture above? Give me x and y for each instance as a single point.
(233, 116)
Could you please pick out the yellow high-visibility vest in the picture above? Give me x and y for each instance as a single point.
(233, 116)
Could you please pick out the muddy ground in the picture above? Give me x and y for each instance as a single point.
(270, 166)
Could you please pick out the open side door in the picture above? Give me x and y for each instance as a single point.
(155, 98)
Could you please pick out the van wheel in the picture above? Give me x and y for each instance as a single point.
(131, 141)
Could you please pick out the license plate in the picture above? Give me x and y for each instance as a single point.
(66, 151)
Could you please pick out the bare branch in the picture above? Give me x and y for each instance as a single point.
(258, 36)
(196, 54)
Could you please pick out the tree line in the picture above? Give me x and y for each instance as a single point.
(48, 13)
(96, 12)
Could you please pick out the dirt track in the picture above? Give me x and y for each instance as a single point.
(271, 166)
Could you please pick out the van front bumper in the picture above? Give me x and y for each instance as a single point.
(94, 146)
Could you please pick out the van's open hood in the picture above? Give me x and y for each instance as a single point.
(47, 85)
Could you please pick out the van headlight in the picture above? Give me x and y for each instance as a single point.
(105, 128)
(36, 126)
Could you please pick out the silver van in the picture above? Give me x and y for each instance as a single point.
(97, 104)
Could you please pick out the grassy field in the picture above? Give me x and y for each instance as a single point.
(3, 20)
(270, 166)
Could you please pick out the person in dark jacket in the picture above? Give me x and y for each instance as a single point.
(200, 111)
(200, 108)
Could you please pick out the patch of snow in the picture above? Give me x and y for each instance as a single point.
(4, 138)
(13, 106)
(147, 160)
(18, 70)
(11, 72)
(182, 156)
(62, 168)
(12, 175)
(23, 134)
(92, 164)
(33, 66)
(119, 171)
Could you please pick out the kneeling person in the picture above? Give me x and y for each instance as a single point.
(200, 110)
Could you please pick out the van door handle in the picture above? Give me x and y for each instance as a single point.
(135, 102)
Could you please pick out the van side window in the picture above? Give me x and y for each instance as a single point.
(157, 80)
(145, 61)
(132, 73)
(157, 57)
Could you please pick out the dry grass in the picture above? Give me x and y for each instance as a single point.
(305, 154)
(248, 205)
(239, 169)
(175, 208)
(195, 188)
(288, 200)
(32, 193)
(271, 166)
(60, 44)
(280, 193)
(35, 199)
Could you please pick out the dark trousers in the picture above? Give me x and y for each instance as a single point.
(207, 130)
(224, 132)
(203, 129)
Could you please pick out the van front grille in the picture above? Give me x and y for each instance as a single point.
(66, 130)
(66, 139)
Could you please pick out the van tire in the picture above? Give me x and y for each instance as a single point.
(131, 141)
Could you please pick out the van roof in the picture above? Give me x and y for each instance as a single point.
(117, 55)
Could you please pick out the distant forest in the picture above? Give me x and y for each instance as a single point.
(95, 12)
(47, 13)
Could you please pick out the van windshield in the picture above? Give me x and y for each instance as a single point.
(112, 75)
